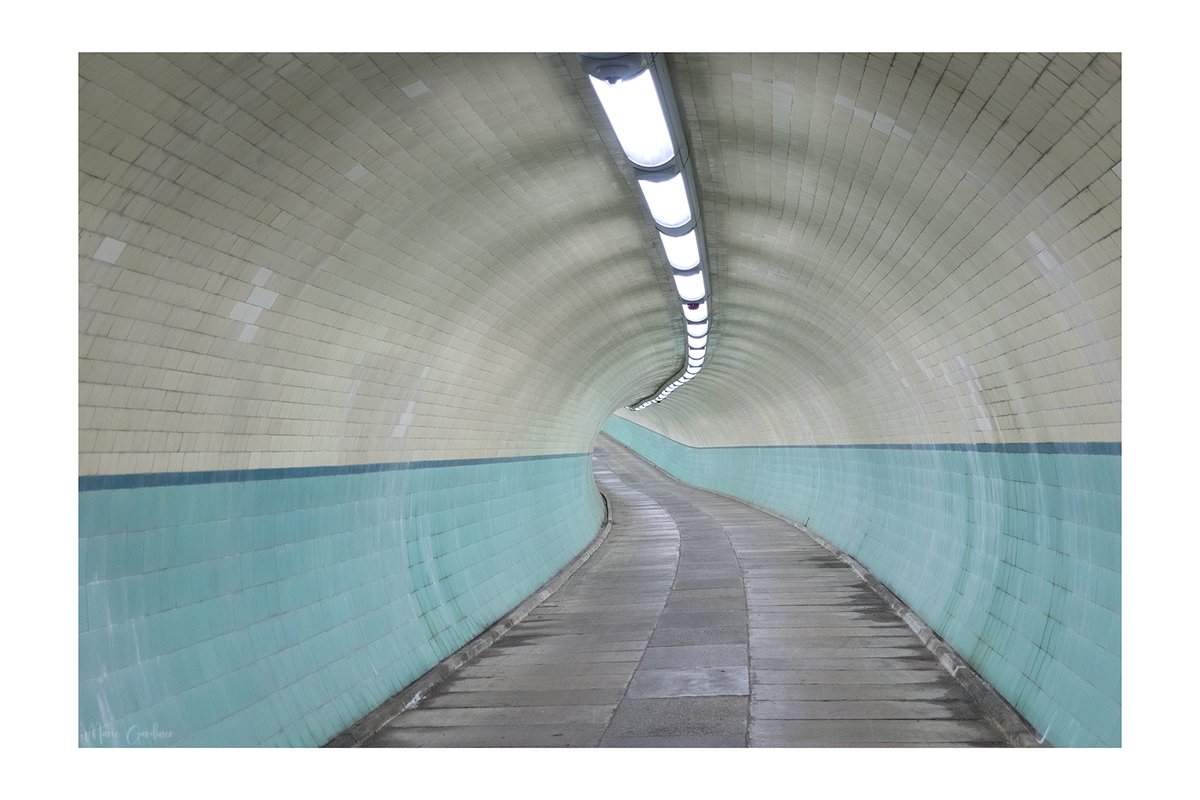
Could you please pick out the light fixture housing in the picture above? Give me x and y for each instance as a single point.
(636, 95)
(695, 312)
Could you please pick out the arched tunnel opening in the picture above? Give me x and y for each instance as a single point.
(363, 340)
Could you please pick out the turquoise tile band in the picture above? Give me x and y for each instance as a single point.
(1011, 553)
(279, 610)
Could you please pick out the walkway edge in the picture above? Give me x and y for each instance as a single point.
(418, 690)
(999, 711)
(1016, 728)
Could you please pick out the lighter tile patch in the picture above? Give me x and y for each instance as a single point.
(1048, 261)
(243, 312)
(264, 298)
(262, 276)
(109, 250)
(405, 420)
(248, 332)
(356, 172)
(416, 89)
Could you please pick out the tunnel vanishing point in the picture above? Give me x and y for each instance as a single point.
(422, 403)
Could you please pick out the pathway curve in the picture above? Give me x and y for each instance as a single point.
(700, 621)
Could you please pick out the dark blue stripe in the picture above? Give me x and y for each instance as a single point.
(1064, 448)
(1069, 448)
(91, 483)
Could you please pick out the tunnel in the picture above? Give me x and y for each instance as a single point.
(371, 357)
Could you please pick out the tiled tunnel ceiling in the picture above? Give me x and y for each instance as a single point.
(352, 259)
(908, 248)
(291, 261)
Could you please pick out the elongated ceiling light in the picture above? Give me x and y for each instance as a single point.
(635, 92)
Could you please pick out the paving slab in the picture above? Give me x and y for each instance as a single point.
(699, 655)
(862, 709)
(680, 716)
(928, 674)
(693, 682)
(674, 741)
(870, 732)
(474, 736)
(700, 634)
(468, 698)
(947, 690)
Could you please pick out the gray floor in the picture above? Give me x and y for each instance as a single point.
(699, 622)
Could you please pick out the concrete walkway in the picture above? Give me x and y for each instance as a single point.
(699, 622)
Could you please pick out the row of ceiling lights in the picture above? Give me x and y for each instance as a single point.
(635, 91)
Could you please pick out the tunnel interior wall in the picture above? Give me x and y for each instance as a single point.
(299, 270)
(333, 393)
(1012, 554)
(277, 607)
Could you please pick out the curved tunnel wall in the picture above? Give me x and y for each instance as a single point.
(1012, 554)
(340, 368)
(349, 325)
(234, 609)
(917, 343)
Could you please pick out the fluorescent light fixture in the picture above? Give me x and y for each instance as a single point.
(682, 251)
(636, 115)
(667, 200)
(697, 314)
(637, 109)
(690, 287)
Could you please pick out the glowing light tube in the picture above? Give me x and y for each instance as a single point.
(690, 287)
(668, 201)
(637, 118)
(682, 251)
